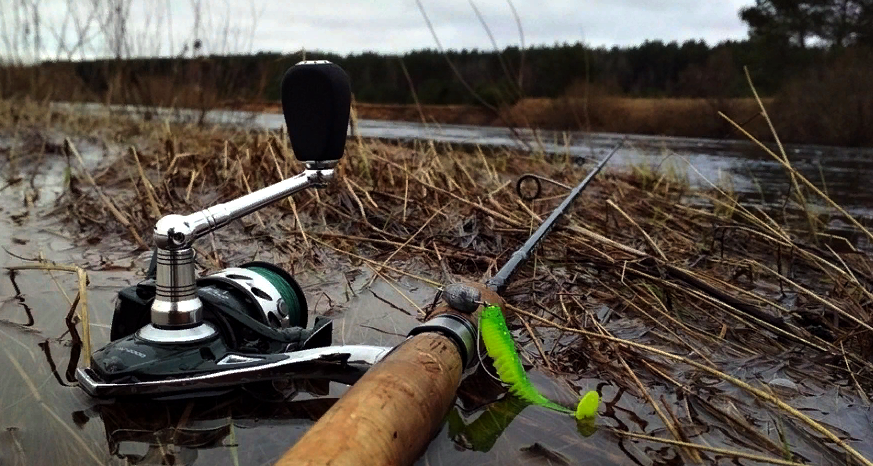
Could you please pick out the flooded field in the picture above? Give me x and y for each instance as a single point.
(751, 173)
(46, 419)
(40, 398)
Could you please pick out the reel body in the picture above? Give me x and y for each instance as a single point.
(175, 333)
(257, 310)
(176, 336)
(244, 303)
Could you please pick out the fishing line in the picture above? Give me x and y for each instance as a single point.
(285, 291)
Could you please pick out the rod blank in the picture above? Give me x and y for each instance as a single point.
(501, 279)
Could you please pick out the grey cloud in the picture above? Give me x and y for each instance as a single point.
(397, 25)
(345, 26)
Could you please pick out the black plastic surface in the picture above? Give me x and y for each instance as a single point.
(316, 101)
(132, 310)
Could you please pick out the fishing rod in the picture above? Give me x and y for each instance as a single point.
(501, 279)
(390, 415)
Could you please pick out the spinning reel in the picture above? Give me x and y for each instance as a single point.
(174, 333)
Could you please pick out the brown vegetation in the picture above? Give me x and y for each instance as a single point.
(665, 289)
(430, 114)
(665, 116)
(655, 116)
(833, 106)
(830, 106)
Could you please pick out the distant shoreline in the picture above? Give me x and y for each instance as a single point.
(680, 117)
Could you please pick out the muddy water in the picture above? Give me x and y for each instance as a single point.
(46, 419)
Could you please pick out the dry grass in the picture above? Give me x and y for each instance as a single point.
(832, 106)
(666, 116)
(648, 286)
(656, 116)
(432, 114)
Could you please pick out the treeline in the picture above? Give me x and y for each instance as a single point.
(812, 58)
(652, 69)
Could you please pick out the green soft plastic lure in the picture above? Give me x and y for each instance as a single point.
(501, 348)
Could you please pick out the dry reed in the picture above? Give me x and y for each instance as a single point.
(736, 297)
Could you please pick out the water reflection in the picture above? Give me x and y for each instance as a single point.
(69, 379)
(19, 299)
(183, 431)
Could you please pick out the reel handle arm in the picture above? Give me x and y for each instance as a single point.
(180, 231)
(316, 103)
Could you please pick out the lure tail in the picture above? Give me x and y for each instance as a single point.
(501, 348)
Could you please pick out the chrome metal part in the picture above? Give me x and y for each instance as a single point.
(321, 165)
(180, 231)
(330, 363)
(202, 332)
(261, 291)
(222, 214)
(459, 329)
(176, 303)
(232, 359)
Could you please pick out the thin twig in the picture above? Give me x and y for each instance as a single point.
(648, 238)
(149, 189)
(697, 446)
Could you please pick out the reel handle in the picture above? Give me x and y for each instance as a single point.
(316, 102)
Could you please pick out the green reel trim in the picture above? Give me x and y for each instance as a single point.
(297, 316)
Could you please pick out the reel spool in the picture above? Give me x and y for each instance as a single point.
(271, 294)
(257, 305)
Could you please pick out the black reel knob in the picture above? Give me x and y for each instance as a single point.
(316, 101)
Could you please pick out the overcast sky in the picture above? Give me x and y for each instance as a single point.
(398, 25)
(346, 26)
